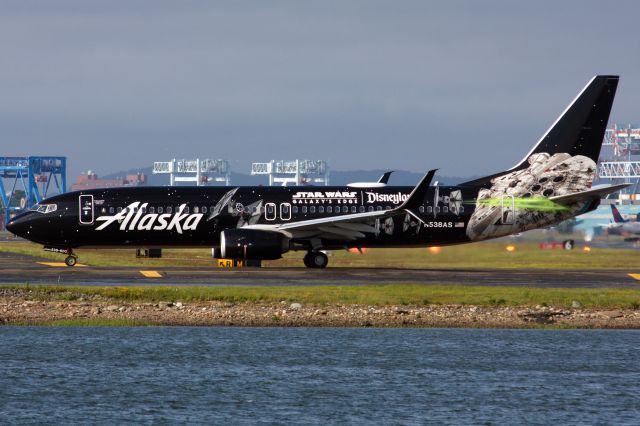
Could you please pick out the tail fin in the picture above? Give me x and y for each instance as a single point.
(385, 177)
(580, 128)
(617, 217)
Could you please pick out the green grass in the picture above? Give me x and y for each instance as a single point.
(379, 295)
(477, 255)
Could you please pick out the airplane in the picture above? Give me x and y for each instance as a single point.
(625, 225)
(552, 183)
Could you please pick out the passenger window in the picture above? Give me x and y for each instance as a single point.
(294, 209)
(370, 208)
(379, 208)
(461, 209)
(321, 209)
(429, 209)
(437, 209)
(312, 209)
(345, 209)
(329, 209)
(169, 209)
(387, 208)
(144, 209)
(160, 210)
(196, 209)
(361, 208)
(304, 209)
(186, 210)
(111, 210)
(270, 208)
(354, 209)
(445, 209)
(119, 209)
(204, 209)
(421, 209)
(104, 210)
(152, 209)
(284, 209)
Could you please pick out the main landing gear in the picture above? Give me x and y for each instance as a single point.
(315, 259)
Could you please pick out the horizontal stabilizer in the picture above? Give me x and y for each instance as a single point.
(595, 192)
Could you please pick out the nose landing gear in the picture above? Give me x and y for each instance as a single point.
(316, 259)
(71, 260)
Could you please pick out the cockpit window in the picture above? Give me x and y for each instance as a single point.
(44, 208)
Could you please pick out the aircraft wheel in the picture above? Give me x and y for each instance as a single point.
(316, 259)
(70, 260)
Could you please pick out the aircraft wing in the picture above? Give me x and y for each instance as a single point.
(594, 193)
(351, 226)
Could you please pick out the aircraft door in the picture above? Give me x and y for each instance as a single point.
(270, 211)
(285, 211)
(508, 208)
(85, 209)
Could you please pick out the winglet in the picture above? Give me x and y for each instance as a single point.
(385, 177)
(417, 195)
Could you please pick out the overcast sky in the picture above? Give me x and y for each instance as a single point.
(464, 86)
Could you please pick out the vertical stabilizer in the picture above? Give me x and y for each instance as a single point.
(617, 217)
(579, 130)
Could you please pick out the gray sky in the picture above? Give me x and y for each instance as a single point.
(464, 86)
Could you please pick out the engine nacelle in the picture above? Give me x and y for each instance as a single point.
(252, 244)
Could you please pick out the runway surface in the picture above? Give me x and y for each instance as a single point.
(21, 269)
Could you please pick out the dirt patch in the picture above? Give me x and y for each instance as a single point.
(16, 309)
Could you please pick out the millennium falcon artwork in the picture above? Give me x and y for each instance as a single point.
(518, 201)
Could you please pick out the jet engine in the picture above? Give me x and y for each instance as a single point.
(252, 244)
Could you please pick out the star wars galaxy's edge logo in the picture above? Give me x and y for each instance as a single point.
(346, 197)
(134, 217)
(325, 197)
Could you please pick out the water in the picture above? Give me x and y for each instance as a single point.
(318, 376)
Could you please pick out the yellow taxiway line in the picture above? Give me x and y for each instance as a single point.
(151, 274)
(635, 276)
(59, 264)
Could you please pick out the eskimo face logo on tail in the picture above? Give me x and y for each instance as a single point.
(133, 218)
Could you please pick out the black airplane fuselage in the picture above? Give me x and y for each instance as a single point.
(184, 216)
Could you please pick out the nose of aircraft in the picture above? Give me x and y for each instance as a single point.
(19, 225)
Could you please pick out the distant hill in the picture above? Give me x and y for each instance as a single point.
(336, 177)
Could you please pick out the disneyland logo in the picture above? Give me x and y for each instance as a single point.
(397, 198)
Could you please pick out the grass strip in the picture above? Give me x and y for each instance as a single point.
(477, 255)
(377, 295)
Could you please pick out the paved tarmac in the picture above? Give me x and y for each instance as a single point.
(21, 269)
